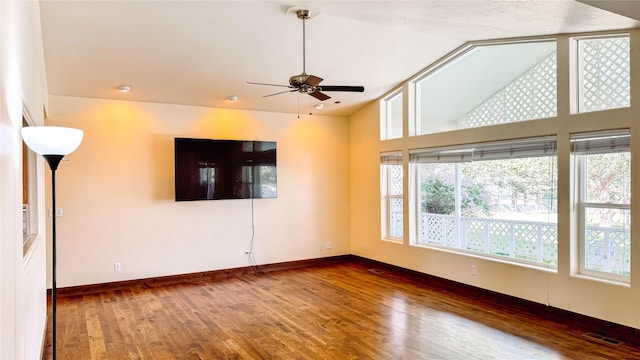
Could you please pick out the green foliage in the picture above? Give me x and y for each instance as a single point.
(515, 185)
(439, 198)
(474, 202)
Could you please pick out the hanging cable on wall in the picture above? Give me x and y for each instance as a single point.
(249, 252)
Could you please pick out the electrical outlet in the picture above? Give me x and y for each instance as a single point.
(59, 212)
(474, 270)
(328, 245)
(116, 267)
(247, 253)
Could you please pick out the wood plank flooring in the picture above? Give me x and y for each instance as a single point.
(339, 311)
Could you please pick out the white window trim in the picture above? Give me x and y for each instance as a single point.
(387, 159)
(582, 205)
(386, 116)
(463, 153)
(415, 126)
(577, 83)
(389, 236)
(33, 211)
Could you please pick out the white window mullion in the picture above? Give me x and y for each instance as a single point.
(458, 200)
(581, 193)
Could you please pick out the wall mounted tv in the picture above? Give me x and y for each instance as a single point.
(208, 169)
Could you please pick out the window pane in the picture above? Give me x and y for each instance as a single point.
(395, 184)
(608, 178)
(437, 222)
(608, 241)
(498, 207)
(29, 196)
(488, 85)
(391, 127)
(391, 193)
(603, 174)
(603, 73)
(396, 223)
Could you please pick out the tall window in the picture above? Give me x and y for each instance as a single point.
(603, 180)
(391, 116)
(488, 85)
(603, 73)
(498, 199)
(391, 180)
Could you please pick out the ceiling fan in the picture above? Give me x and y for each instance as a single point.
(309, 84)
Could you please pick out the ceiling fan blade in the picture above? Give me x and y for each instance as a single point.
(281, 92)
(313, 80)
(319, 95)
(342, 88)
(256, 83)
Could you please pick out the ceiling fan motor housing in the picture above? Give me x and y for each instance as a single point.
(298, 80)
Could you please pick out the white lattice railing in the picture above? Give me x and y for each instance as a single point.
(607, 248)
(530, 96)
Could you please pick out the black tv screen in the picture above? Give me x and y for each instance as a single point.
(208, 169)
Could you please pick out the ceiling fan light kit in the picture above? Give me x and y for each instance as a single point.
(305, 83)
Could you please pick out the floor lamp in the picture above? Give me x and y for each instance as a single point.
(52, 143)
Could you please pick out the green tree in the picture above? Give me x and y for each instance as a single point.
(521, 180)
(608, 182)
(439, 198)
(475, 201)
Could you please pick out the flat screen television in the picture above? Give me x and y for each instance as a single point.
(207, 169)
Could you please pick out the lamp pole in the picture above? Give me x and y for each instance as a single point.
(53, 161)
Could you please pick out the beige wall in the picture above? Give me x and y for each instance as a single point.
(562, 289)
(117, 194)
(22, 86)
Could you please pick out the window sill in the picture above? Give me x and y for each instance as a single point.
(508, 261)
(601, 280)
(394, 240)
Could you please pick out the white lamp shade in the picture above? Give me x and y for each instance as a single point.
(52, 140)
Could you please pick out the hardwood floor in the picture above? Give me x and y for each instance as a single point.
(344, 310)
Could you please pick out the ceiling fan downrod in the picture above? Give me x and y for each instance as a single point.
(303, 15)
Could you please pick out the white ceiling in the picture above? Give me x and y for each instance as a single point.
(200, 52)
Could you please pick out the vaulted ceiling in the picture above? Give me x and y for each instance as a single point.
(201, 52)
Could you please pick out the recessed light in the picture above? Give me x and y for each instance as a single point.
(319, 106)
(123, 88)
(232, 98)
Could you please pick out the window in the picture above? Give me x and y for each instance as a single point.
(498, 199)
(488, 85)
(391, 184)
(603, 73)
(391, 116)
(29, 196)
(603, 178)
